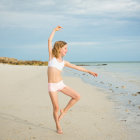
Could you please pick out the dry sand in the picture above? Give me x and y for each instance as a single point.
(26, 109)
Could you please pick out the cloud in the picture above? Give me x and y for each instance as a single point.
(27, 20)
(127, 40)
(83, 43)
(76, 7)
(44, 44)
(45, 3)
(113, 8)
(40, 13)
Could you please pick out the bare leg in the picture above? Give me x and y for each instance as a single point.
(75, 97)
(54, 99)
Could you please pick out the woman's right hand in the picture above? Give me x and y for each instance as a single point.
(93, 73)
(58, 28)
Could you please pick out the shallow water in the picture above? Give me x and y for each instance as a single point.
(121, 80)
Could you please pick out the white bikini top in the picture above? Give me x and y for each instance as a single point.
(54, 63)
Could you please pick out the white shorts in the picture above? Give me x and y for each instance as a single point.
(56, 86)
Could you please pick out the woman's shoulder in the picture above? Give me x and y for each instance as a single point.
(52, 57)
(65, 62)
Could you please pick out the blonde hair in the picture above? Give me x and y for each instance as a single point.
(56, 48)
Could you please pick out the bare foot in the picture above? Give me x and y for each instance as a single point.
(59, 131)
(61, 114)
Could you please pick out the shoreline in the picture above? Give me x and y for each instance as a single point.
(132, 132)
(123, 94)
(26, 109)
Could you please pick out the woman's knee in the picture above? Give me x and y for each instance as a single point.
(77, 97)
(56, 108)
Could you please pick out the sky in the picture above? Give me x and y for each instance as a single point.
(95, 30)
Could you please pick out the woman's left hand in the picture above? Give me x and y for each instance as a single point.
(93, 73)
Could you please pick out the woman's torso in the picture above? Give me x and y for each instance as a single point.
(54, 74)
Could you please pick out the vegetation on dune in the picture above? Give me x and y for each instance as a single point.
(13, 61)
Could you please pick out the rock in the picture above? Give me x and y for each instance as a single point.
(139, 107)
(30, 128)
(123, 120)
(126, 110)
(134, 94)
(123, 86)
(129, 101)
(111, 90)
(110, 84)
(82, 65)
(101, 64)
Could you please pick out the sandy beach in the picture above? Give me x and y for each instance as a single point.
(26, 109)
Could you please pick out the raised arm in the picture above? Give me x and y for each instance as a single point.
(50, 40)
(68, 64)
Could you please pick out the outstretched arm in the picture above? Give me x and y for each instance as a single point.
(50, 40)
(68, 64)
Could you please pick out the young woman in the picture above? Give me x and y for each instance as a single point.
(55, 81)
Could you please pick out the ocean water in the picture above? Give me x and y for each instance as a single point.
(121, 81)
